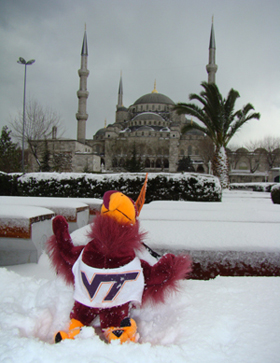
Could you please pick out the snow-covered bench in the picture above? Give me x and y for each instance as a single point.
(24, 231)
(94, 206)
(75, 212)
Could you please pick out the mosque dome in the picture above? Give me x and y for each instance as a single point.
(154, 98)
(100, 132)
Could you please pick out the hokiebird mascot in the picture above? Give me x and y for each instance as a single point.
(107, 275)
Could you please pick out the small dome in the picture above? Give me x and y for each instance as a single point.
(145, 128)
(148, 116)
(100, 132)
(121, 108)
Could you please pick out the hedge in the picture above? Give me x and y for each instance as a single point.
(275, 194)
(8, 184)
(256, 187)
(163, 186)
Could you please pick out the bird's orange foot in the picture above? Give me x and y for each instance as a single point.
(126, 332)
(74, 329)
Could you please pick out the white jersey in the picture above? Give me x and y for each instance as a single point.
(106, 288)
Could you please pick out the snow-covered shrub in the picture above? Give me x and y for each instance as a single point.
(275, 194)
(256, 187)
(161, 186)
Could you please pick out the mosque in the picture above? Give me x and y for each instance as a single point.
(149, 129)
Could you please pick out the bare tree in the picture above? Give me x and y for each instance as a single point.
(272, 145)
(39, 124)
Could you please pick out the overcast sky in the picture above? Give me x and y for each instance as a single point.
(166, 40)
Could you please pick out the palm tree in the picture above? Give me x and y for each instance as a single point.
(219, 121)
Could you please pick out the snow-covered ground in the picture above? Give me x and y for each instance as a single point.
(228, 319)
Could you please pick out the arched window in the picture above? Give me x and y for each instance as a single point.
(147, 163)
(190, 150)
(243, 166)
(200, 169)
(166, 163)
(158, 163)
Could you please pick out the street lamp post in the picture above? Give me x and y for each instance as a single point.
(23, 61)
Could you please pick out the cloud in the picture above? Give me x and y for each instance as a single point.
(165, 40)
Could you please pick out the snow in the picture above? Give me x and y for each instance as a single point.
(24, 212)
(65, 206)
(228, 319)
(14, 216)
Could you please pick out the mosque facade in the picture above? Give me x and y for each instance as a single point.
(149, 130)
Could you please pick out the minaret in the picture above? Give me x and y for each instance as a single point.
(82, 94)
(211, 66)
(120, 94)
(121, 112)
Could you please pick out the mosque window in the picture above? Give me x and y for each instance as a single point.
(190, 150)
(243, 166)
(159, 107)
(166, 163)
(147, 163)
(153, 107)
(158, 163)
(147, 107)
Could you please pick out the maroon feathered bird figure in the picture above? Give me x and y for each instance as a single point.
(106, 272)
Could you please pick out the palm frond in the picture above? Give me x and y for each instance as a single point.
(217, 114)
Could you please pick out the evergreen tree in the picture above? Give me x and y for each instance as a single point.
(45, 166)
(134, 164)
(220, 122)
(185, 164)
(10, 154)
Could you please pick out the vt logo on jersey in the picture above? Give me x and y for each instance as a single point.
(105, 288)
(116, 282)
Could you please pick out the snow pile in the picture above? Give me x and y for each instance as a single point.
(15, 217)
(222, 320)
(228, 319)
